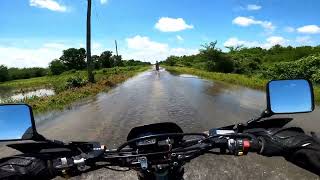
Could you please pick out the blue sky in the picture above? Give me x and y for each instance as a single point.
(33, 32)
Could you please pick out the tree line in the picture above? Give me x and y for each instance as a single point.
(71, 59)
(274, 63)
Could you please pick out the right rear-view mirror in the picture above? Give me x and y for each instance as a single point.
(290, 96)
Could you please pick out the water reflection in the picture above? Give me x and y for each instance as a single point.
(238, 95)
(188, 76)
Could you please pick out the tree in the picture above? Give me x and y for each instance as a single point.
(105, 59)
(57, 67)
(117, 60)
(233, 49)
(216, 59)
(210, 52)
(172, 60)
(95, 61)
(74, 58)
(4, 75)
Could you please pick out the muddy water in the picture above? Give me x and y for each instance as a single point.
(194, 104)
(10, 95)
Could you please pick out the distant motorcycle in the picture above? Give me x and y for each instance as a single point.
(156, 151)
(157, 66)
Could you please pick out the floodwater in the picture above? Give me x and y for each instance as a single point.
(11, 96)
(194, 104)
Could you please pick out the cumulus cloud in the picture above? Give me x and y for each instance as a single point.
(145, 49)
(103, 1)
(48, 4)
(13, 56)
(28, 57)
(234, 42)
(55, 45)
(253, 7)
(309, 29)
(303, 39)
(270, 41)
(179, 38)
(289, 29)
(143, 42)
(274, 40)
(248, 21)
(166, 24)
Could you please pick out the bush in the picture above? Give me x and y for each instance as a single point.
(4, 74)
(247, 65)
(76, 82)
(25, 73)
(74, 58)
(307, 68)
(316, 77)
(57, 67)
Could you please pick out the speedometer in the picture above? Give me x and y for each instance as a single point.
(147, 142)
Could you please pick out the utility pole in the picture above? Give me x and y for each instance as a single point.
(115, 41)
(89, 61)
(117, 61)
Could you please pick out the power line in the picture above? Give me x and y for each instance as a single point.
(96, 12)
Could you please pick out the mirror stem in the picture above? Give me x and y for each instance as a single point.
(264, 114)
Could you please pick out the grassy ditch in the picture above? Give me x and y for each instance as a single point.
(251, 82)
(66, 94)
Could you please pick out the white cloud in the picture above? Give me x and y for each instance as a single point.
(233, 42)
(289, 29)
(179, 38)
(309, 29)
(143, 42)
(274, 40)
(27, 57)
(270, 41)
(55, 46)
(248, 21)
(253, 7)
(13, 56)
(166, 24)
(303, 39)
(103, 1)
(48, 4)
(143, 48)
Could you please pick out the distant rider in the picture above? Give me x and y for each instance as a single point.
(157, 65)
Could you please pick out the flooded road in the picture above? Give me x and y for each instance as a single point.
(194, 104)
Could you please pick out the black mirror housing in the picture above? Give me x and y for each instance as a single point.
(289, 96)
(17, 123)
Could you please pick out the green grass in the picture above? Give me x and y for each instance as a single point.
(105, 80)
(238, 79)
(45, 81)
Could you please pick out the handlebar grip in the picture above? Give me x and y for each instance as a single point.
(255, 145)
(241, 146)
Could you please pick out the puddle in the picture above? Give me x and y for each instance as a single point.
(188, 76)
(25, 95)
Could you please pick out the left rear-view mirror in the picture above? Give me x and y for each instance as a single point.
(290, 96)
(16, 122)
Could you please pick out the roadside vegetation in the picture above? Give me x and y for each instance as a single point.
(251, 67)
(72, 86)
(72, 59)
(67, 76)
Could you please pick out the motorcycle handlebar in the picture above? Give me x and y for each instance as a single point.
(238, 146)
